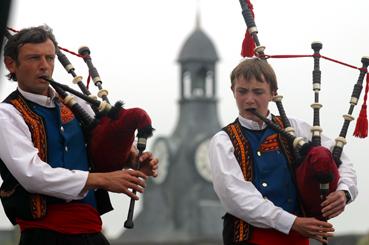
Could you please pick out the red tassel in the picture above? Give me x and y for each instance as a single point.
(248, 44)
(361, 129)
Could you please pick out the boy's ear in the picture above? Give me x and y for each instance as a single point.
(232, 89)
(274, 93)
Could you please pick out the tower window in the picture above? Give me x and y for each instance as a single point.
(209, 82)
(187, 84)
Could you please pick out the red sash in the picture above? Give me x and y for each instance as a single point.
(66, 218)
(271, 236)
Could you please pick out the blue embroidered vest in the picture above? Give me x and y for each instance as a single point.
(265, 159)
(60, 141)
(271, 174)
(65, 141)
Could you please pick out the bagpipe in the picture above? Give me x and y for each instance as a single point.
(316, 167)
(111, 131)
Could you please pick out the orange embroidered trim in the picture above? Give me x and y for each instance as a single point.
(66, 114)
(240, 148)
(8, 193)
(241, 229)
(241, 152)
(35, 125)
(270, 143)
(38, 206)
(38, 133)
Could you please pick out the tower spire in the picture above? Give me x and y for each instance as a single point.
(197, 15)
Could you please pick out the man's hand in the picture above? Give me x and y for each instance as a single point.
(334, 204)
(313, 228)
(148, 164)
(121, 181)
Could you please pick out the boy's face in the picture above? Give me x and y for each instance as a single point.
(252, 94)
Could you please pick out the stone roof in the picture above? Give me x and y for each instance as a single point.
(198, 47)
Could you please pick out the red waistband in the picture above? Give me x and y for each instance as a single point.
(270, 236)
(66, 218)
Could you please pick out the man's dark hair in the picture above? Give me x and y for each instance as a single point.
(37, 34)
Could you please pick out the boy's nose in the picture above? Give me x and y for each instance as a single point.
(250, 99)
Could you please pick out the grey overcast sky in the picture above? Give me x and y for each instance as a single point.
(135, 45)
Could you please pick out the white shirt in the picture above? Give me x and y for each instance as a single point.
(241, 198)
(21, 157)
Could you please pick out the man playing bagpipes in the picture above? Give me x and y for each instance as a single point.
(48, 188)
(254, 173)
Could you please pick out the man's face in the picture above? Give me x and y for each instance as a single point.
(34, 60)
(252, 94)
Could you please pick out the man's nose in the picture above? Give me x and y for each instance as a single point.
(44, 64)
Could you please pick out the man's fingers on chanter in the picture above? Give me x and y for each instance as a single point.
(335, 214)
(324, 232)
(145, 156)
(131, 194)
(134, 181)
(135, 187)
(324, 224)
(134, 174)
(138, 174)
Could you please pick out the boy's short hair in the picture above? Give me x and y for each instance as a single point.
(255, 68)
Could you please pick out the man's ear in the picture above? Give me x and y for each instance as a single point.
(10, 64)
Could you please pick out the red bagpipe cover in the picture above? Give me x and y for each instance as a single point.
(317, 167)
(111, 140)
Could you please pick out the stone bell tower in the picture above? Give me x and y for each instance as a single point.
(180, 205)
